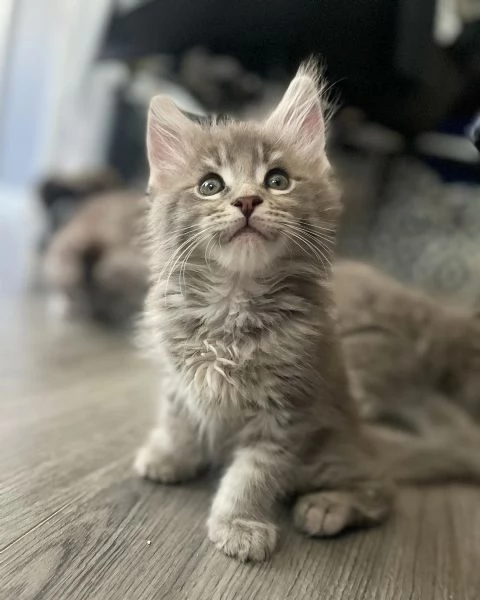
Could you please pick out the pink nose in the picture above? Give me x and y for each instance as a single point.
(247, 204)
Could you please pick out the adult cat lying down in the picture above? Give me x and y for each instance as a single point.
(413, 365)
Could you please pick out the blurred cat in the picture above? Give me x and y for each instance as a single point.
(61, 197)
(238, 314)
(94, 264)
(414, 366)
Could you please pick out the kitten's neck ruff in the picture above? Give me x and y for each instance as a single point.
(204, 286)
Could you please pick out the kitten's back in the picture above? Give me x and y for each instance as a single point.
(365, 296)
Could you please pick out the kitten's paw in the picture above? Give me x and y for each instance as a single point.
(151, 463)
(243, 539)
(325, 514)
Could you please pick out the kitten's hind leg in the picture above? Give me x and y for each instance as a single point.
(345, 492)
(174, 451)
(327, 513)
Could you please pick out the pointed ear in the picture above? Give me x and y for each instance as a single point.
(299, 114)
(167, 132)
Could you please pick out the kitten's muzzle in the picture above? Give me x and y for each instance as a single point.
(247, 205)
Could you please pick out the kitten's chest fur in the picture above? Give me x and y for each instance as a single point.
(233, 342)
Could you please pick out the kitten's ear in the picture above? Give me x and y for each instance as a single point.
(167, 130)
(299, 113)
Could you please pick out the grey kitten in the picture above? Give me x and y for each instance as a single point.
(239, 314)
(414, 367)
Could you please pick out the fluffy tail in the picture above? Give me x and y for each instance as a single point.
(447, 452)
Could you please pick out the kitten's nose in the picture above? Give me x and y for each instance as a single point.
(247, 204)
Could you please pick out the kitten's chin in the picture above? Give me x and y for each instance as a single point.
(248, 253)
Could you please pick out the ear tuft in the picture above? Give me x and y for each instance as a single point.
(299, 114)
(167, 130)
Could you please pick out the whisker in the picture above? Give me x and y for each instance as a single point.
(183, 266)
(324, 241)
(313, 235)
(184, 252)
(191, 243)
(307, 244)
(292, 239)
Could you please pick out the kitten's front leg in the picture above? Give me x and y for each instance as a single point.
(174, 451)
(239, 522)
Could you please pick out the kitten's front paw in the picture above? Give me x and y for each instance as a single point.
(242, 538)
(326, 514)
(154, 464)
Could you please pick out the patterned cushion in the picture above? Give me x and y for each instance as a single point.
(428, 233)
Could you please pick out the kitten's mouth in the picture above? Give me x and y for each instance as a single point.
(247, 231)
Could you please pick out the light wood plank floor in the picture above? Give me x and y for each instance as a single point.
(75, 523)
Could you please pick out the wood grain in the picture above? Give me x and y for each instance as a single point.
(75, 522)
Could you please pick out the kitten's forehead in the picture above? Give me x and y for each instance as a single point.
(239, 150)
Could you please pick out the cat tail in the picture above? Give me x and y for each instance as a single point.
(446, 453)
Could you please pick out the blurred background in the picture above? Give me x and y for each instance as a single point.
(76, 77)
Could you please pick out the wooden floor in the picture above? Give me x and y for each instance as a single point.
(75, 523)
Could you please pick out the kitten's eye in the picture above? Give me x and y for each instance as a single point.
(211, 185)
(277, 179)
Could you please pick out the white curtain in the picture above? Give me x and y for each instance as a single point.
(55, 108)
(81, 100)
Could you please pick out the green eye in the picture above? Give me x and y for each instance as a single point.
(211, 185)
(277, 179)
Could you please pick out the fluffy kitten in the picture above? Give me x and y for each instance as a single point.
(239, 316)
(93, 264)
(414, 366)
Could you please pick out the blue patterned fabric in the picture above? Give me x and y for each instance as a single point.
(428, 233)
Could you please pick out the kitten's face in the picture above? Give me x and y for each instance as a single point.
(243, 194)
